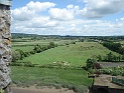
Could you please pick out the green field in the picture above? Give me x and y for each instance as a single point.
(28, 46)
(42, 42)
(46, 76)
(74, 54)
(66, 52)
(24, 48)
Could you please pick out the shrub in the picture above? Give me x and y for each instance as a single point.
(29, 64)
(90, 63)
(15, 56)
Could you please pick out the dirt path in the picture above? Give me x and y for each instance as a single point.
(43, 90)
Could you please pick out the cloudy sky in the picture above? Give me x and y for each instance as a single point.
(68, 17)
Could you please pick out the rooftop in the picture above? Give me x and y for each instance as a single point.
(106, 81)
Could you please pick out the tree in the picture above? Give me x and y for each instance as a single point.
(52, 45)
(37, 48)
(15, 56)
(21, 53)
(110, 56)
(90, 63)
(81, 40)
(99, 58)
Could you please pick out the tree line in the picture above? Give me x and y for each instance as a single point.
(116, 47)
(110, 57)
(19, 54)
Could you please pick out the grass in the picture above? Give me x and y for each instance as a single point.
(42, 42)
(26, 76)
(24, 48)
(75, 54)
(28, 46)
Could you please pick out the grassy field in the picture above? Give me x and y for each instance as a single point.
(24, 48)
(43, 42)
(72, 79)
(28, 46)
(74, 54)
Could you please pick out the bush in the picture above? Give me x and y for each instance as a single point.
(37, 48)
(97, 66)
(90, 63)
(15, 56)
(29, 64)
(113, 71)
(32, 52)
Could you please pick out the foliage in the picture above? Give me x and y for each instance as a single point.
(117, 47)
(76, 54)
(15, 56)
(1, 91)
(110, 57)
(99, 58)
(37, 48)
(97, 65)
(21, 53)
(52, 44)
(113, 71)
(90, 63)
(81, 40)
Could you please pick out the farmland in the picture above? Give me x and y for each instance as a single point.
(75, 54)
(60, 66)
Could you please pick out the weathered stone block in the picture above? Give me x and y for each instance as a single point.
(5, 44)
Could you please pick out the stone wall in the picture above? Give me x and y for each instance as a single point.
(112, 90)
(5, 45)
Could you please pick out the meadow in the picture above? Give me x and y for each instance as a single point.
(66, 78)
(74, 54)
(29, 45)
(67, 56)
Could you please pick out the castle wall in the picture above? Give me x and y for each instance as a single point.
(5, 45)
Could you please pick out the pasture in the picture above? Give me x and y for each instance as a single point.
(74, 54)
(29, 45)
(75, 80)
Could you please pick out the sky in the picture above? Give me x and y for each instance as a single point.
(68, 17)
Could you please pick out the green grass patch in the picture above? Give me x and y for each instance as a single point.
(26, 76)
(74, 54)
(29, 45)
(43, 42)
(24, 48)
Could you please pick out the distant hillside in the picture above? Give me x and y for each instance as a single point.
(34, 36)
(37, 37)
(22, 35)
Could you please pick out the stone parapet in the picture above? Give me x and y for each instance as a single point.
(5, 45)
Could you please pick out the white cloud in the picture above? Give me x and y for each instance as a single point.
(42, 22)
(45, 26)
(42, 18)
(122, 19)
(70, 6)
(22, 14)
(38, 6)
(30, 10)
(101, 8)
(61, 14)
(64, 14)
